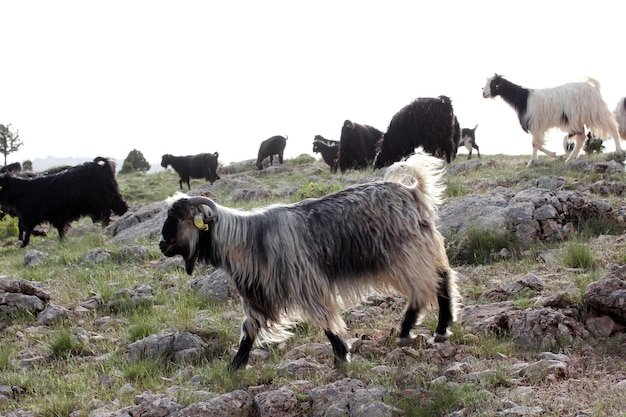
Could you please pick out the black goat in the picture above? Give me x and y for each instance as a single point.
(14, 167)
(357, 145)
(330, 153)
(89, 189)
(270, 147)
(426, 122)
(203, 165)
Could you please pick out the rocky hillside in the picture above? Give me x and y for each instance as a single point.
(538, 333)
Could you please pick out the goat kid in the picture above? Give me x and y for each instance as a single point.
(305, 260)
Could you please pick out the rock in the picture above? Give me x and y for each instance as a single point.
(277, 403)
(543, 367)
(132, 253)
(34, 258)
(236, 403)
(217, 287)
(52, 314)
(607, 296)
(98, 255)
(139, 295)
(24, 295)
(601, 326)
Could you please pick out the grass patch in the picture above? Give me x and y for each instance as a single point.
(441, 400)
(63, 344)
(481, 246)
(578, 255)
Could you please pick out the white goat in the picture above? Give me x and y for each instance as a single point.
(570, 107)
(620, 116)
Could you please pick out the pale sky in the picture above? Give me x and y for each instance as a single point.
(88, 78)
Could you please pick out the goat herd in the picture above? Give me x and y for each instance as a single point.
(305, 260)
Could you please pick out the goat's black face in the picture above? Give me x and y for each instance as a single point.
(179, 236)
(186, 230)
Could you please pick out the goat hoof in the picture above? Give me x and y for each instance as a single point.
(440, 338)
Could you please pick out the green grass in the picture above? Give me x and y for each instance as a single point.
(480, 246)
(578, 255)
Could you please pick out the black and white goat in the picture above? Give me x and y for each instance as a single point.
(468, 139)
(620, 116)
(570, 107)
(305, 260)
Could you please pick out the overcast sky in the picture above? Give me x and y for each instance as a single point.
(88, 78)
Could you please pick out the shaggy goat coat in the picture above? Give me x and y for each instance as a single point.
(570, 107)
(426, 122)
(620, 116)
(308, 259)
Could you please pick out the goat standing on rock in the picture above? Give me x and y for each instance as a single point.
(570, 107)
(305, 260)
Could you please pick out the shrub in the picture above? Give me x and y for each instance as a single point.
(8, 227)
(316, 190)
(135, 161)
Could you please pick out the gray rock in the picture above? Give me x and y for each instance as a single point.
(217, 287)
(607, 296)
(34, 258)
(52, 314)
(281, 402)
(98, 255)
(237, 403)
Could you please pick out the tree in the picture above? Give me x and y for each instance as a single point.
(27, 165)
(135, 161)
(9, 141)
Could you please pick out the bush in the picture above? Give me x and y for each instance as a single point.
(316, 190)
(135, 161)
(8, 227)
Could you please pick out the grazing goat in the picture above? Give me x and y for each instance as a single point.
(89, 189)
(304, 260)
(570, 107)
(620, 116)
(426, 122)
(270, 147)
(330, 153)
(357, 145)
(203, 165)
(468, 139)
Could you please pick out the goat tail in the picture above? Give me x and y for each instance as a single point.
(422, 172)
(593, 82)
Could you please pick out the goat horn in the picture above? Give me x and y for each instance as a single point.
(199, 200)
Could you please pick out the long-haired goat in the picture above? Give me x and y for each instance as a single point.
(620, 116)
(305, 260)
(570, 107)
(426, 122)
